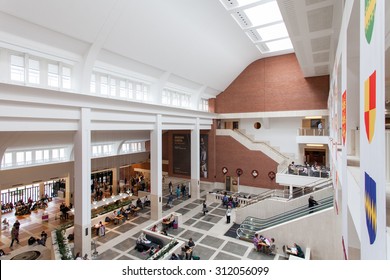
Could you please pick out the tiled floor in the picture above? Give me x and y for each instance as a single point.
(119, 242)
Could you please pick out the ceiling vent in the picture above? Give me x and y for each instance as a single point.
(242, 19)
(253, 35)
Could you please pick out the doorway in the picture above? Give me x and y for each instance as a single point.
(315, 156)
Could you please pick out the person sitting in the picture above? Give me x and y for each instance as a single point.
(146, 201)
(174, 257)
(123, 213)
(189, 248)
(2, 253)
(78, 256)
(142, 239)
(255, 241)
(271, 249)
(139, 203)
(263, 243)
(154, 228)
(164, 232)
(43, 237)
(41, 241)
(171, 221)
(5, 223)
(294, 250)
(151, 251)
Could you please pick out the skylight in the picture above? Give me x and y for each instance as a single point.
(263, 23)
(264, 13)
(272, 32)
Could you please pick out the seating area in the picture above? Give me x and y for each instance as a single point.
(307, 170)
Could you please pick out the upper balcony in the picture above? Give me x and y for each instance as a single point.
(312, 136)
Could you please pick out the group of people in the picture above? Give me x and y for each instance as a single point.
(263, 244)
(7, 207)
(230, 201)
(314, 170)
(41, 241)
(181, 190)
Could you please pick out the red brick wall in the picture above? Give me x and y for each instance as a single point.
(233, 155)
(273, 84)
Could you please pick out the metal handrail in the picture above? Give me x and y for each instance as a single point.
(308, 188)
(251, 224)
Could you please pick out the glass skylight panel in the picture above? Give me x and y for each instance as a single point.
(264, 14)
(279, 45)
(246, 2)
(272, 32)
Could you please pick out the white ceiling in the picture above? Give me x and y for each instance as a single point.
(195, 42)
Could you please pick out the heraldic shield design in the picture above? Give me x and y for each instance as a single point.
(370, 106)
(370, 206)
(369, 18)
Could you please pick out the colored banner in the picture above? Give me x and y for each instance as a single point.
(372, 137)
(370, 106)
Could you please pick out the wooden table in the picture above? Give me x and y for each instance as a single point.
(136, 210)
(118, 218)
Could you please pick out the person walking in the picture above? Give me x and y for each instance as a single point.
(228, 214)
(170, 200)
(312, 203)
(170, 186)
(14, 235)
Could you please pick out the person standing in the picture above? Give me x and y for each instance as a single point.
(14, 235)
(170, 185)
(204, 210)
(319, 126)
(177, 192)
(102, 229)
(228, 214)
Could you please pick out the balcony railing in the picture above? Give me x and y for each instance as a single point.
(313, 132)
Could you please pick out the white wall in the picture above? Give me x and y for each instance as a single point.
(279, 132)
(319, 232)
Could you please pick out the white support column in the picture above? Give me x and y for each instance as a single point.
(156, 170)
(291, 192)
(195, 161)
(82, 188)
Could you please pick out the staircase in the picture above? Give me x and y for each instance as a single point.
(255, 145)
